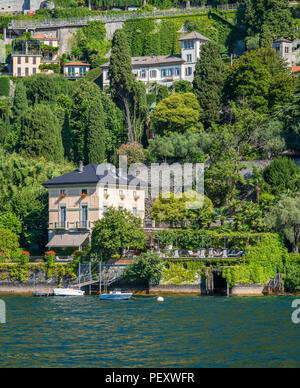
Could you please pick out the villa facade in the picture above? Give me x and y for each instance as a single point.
(76, 70)
(29, 55)
(166, 69)
(288, 50)
(80, 198)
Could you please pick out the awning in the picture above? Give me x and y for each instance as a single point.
(66, 240)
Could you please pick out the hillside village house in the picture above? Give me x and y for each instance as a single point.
(288, 50)
(165, 69)
(75, 70)
(78, 199)
(29, 55)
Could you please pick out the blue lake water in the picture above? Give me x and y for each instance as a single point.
(183, 331)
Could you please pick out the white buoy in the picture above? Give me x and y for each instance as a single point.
(160, 299)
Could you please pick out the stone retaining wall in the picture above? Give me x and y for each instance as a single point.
(175, 289)
(247, 290)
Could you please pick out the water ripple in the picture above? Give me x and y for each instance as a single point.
(184, 331)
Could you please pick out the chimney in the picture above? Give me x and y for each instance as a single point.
(80, 166)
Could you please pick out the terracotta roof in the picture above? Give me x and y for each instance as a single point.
(77, 64)
(153, 60)
(194, 36)
(120, 261)
(44, 36)
(296, 69)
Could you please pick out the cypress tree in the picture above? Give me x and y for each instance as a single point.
(95, 148)
(266, 39)
(20, 101)
(67, 137)
(209, 81)
(121, 78)
(41, 134)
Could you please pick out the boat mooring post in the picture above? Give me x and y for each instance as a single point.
(90, 273)
(100, 277)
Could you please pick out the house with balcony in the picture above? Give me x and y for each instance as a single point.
(76, 70)
(36, 55)
(166, 69)
(80, 198)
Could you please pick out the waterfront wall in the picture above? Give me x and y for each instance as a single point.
(33, 278)
(175, 289)
(247, 290)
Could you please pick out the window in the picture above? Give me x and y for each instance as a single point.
(19, 71)
(189, 58)
(153, 74)
(34, 70)
(177, 71)
(34, 60)
(26, 60)
(189, 44)
(84, 215)
(163, 73)
(286, 50)
(105, 207)
(143, 74)
(63, 216)
(134, 211)
(19, 60)
(188, 71)
(26, 70)
(170, 72)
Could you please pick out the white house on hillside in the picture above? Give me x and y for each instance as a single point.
(165, 69)
(288, 50)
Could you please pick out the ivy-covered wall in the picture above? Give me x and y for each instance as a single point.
(160, 37)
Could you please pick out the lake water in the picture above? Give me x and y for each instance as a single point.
(182, 331)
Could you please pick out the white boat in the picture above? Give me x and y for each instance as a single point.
(67, 292)
(116, 295)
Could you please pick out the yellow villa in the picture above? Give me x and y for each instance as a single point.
(81, 197)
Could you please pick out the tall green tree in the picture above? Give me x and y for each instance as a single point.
(282, 175)
(285, 217)
(121, 78)
(275, 14)
(95, 147)
(41, 134)
(128, 94)
(20, 101)
(209, 79)
(116, 231)
(261, 78)
(177, 113)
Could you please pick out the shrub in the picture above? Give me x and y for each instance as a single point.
(24, 257)
(50, 257)
(147, 268)
(8, 243)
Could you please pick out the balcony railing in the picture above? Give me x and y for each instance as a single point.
(71, 225)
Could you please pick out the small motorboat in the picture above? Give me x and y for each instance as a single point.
(116, 295)
(67, 292)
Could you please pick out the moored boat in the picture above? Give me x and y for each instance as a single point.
(67, 292)
(116, 295)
